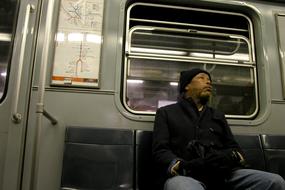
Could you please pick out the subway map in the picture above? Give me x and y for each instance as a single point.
(78, 43)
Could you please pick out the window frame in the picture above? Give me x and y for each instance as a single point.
(128, 54)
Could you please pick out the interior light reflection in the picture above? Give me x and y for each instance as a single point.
(93, 38)
(135, 81)
(79, 37)
(159, 51)
(173, 83)
(75, 37)
(5, 37)
(60, 37)
(236, 56)
(4, 74)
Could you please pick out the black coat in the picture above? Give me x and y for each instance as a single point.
(177, 124)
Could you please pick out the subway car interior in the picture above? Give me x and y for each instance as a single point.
(81, 81)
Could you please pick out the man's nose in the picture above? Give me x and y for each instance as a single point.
(208, 81)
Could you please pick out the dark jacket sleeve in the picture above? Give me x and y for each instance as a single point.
(161, 149)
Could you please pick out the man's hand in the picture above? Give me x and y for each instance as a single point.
(224, 160)
(174, 169)
(182, 167)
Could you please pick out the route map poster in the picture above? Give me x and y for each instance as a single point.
(78, 43)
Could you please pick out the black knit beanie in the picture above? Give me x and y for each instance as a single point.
(187, 76)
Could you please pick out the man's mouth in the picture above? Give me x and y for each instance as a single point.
(208, 89)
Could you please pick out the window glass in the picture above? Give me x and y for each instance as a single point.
(153, 83)
(158, 47)
(188, 43)
(7, 19)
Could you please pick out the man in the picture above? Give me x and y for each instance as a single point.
(193, 146)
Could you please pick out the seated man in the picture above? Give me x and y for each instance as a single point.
(194, 148)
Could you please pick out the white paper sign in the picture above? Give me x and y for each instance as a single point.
(78, 43)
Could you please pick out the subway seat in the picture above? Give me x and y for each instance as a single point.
(96, 158)
(107, 159)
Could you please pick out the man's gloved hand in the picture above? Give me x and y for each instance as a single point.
(194, 164)
(175, 168)
(223, 160)
(182, 167)
(199, 170)
(192, 167)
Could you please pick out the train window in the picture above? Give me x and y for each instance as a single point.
(7, 19)
(159, 46)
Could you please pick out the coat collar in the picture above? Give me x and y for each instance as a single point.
(191, 109)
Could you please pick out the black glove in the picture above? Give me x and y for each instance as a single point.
(193, 167)
(223, 161)
(198, 169)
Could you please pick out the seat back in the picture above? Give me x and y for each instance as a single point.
(274, 151)
(252, 148)
(98, 159)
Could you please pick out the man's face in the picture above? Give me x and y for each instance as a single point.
(199, 88)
